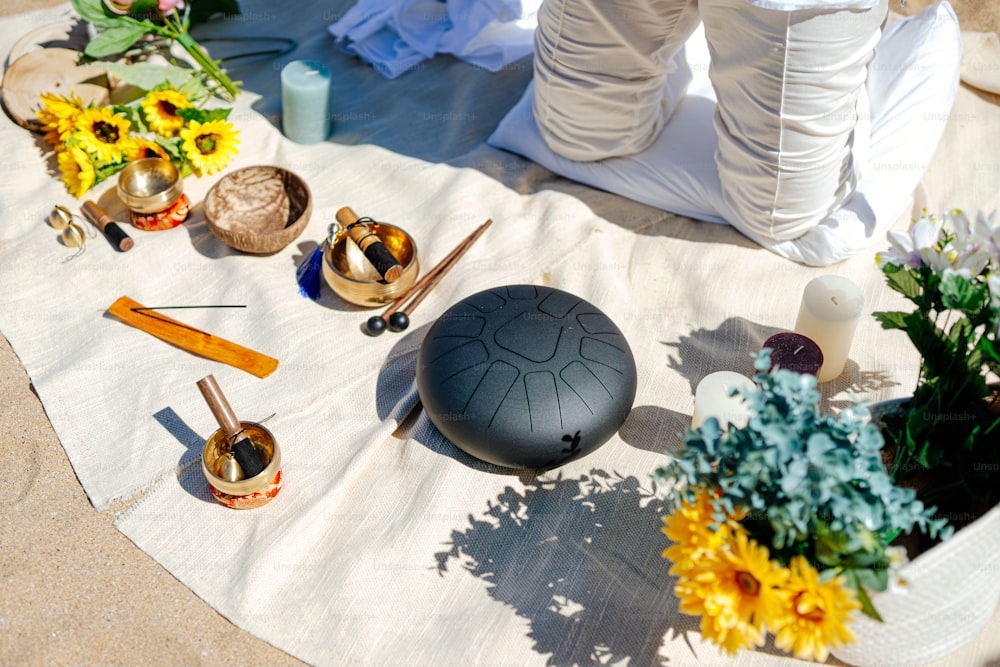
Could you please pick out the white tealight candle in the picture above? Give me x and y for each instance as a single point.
(305, 101)
(829, 314)
(712, 399)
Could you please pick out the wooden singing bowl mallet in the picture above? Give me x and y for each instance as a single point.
(397, 318)
(363, 234)
(247, 460)
(111, 229)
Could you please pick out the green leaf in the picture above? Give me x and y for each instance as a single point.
(988, 350)
(960, 293)
(148, 76)
(903, 281)
(144, 9)
(194, 88)
(186, 169)
(924, 451)
(93, 11)
(874, 578)
(866, 602)
(204, 115)
(891, 320)
(172, 146)
(114, 40)
(105, 171)
(960, 333)
(133, 116)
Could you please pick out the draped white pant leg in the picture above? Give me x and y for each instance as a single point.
(789, 87)
(600, 72)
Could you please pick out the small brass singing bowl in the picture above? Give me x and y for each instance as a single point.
(364, 291)
(149, 185)
(238, 493)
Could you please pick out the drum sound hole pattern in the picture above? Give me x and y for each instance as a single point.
(526, 376)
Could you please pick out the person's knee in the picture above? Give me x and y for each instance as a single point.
(781, 206)
(576, 138)
(789, 120)
(782, 196)
(590, 117)
(601, 74)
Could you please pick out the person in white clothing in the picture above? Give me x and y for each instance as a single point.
(789, 76)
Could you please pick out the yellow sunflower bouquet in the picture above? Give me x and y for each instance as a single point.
(783, 526)
(92, 143)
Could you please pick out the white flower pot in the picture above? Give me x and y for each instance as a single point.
(951, 593)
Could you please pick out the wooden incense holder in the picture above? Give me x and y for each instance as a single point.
(242, 449)
(193, 340)
(371, 245)
(114, 233)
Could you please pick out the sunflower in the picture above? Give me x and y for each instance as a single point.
(160, 110)
(102, 133)
(816, 614)
(689, 530)
(737, 591)
(57, 116)
(139, 148)
(209, 146)
(77, 170)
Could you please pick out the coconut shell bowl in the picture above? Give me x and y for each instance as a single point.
(259, 209)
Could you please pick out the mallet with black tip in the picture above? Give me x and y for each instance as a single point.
(243, 450)
(111, 229)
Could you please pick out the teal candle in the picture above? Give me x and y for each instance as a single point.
(305, 101)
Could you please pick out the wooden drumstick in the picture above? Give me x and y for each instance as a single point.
(451, 257)
(398, 321)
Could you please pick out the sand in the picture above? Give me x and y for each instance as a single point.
(75, 591)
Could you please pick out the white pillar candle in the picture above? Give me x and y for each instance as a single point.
(829, 314)
(305, 101)
(712, 399)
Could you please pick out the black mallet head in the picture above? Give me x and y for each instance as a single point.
(375, 325)
(399, 321)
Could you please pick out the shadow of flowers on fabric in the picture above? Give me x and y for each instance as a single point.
(727, 347)
(580, 559)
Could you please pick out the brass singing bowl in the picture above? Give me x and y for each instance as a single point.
(214, 457)
(366, 292)
(149, 185)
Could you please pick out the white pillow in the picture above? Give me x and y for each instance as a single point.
(912, 84)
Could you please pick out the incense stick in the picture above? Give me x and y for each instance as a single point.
(178, 307)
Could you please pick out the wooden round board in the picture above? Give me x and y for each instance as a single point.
(52, 70)
(68, 32)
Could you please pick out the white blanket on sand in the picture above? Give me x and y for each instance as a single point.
(387, 544)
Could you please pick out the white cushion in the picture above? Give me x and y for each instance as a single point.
(912, 83)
